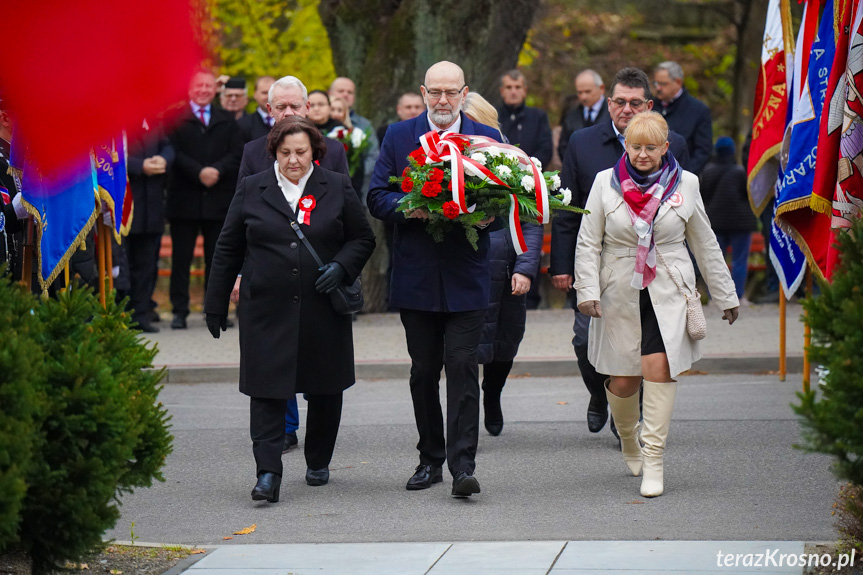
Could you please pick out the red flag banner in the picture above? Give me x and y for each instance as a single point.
(96, 64)
(848, 202)
(771, 105)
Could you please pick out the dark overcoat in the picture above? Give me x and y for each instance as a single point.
(447, 276)
(148, 192)
(196, 146)
(690, 117)
(528, 129)
(252, 126)
(291, 340)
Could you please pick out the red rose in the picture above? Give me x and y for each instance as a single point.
(436, 175)
(419, 155)
(346, 147)
(407, 185)
(450, 210)
(431, 189)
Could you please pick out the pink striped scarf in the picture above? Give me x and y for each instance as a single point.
(643, 195)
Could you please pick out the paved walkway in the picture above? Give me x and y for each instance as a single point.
(751, 345)
(504, 558)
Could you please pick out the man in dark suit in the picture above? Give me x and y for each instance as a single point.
(592, 108)
(234, 98)
(591, 151)
(258, 123)
(150, 158)
(287, 97)
(442, 290)
(208, 148)
(684, 113)
(522, 125)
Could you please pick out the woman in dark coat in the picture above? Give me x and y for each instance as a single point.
(291, 340)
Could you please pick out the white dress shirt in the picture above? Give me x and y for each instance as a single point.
(292, 191)
(454, 129)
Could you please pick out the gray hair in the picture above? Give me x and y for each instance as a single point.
(675, 72)
(597, 79)
(285, 83)
(515, 74)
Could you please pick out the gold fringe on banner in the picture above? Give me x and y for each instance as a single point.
(820, 204)
(804, 247)
(105, 196)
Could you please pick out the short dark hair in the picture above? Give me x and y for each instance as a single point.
(295, 125)
(325, 94)
(515, 74)
(632, 78)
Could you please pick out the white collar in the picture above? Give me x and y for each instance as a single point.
(596, 107)
(264, 114)
(196, 108)
(291, 190)
(454, 129)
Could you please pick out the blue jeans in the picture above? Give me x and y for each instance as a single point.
(739, 242)
(292, 416)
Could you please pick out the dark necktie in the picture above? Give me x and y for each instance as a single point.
(270, 121)
(201, 115)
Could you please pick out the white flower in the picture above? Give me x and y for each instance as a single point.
(527, 183)
(555, 182)
(338, 132)
(537, 162)
(493, 151)
(503, 171)
(567, 196)
(479, 157)
(357, 137)
(511, 155)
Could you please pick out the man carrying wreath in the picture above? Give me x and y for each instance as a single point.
(441, 290)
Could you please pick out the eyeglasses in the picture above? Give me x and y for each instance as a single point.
(661, 84)
(621, 103)
(232, 96)
(438, 94)
(649, 149)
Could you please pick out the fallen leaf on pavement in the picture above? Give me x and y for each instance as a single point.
(199, 551)
(635, 502)
(115, 572)
(563, 403)
(226, 538)
(250, 529)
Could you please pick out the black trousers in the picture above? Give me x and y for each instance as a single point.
(267, 430)
(142, 251)
(450, 340)
(184, 233)
(593, 381)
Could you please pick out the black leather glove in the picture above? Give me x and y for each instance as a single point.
(216, 321)
(331, 278)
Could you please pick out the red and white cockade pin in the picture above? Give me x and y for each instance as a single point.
(307, 204)
(676, 200)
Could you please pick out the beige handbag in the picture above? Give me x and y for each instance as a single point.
(696, 323)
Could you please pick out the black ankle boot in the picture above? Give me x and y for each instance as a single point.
(491, 405)
(267, 487)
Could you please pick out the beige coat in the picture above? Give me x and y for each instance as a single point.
(605, 261)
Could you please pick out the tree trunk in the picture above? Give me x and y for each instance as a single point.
(385, 47)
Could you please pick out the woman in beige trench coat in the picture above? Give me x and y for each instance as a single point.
(644, 205)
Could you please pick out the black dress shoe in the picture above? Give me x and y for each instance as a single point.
(316, 477)
(147, 327)
(267, 487)
(179, 322)
(597, 414)
(291, 441)
(464, 484)
(229, 322)
(493, 413)
(154, 316)
(424, 477)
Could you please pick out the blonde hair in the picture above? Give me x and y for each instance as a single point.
(347, 121)
(479, 110)
(647, 128)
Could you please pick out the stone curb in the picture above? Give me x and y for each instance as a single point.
(552, 367)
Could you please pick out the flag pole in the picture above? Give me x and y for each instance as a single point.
(27, 256)
(807, 335)
(783, 370)
(100, 258)
(109, 258)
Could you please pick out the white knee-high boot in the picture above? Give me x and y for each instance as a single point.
(626, 412)
(658, 405)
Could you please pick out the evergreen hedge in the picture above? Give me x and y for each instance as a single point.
(97, 428)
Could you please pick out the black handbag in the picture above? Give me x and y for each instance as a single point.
(346, 299)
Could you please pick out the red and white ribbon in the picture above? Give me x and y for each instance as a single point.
(306, 205)
(447, 148)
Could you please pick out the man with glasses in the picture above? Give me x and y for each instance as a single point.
(590, 151)
(258, 123)
(441, 289)
(234, 97)
(685, 114)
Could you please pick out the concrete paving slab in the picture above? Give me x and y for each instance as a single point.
(500, 557)
(676, 556)
(362, 559)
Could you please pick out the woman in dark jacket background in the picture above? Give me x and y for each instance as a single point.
(723, 188)
(511, 277)
(291, 339)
